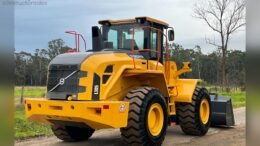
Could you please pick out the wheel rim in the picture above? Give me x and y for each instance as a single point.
(204, 111)
(155, 119)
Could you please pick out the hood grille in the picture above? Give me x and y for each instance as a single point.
(70, 85)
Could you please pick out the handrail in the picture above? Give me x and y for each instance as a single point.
(85, 44)
(158, 45)
(77, 40)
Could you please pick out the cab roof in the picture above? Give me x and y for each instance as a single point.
(126, 21)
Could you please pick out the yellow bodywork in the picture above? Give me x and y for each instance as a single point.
(97, 115)
(123, 78)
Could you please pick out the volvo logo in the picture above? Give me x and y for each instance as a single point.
(62, 81)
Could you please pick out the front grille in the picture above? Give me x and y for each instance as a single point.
(56, 72)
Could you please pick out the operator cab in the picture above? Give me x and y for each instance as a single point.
(141, 34)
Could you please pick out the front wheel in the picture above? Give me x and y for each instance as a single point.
(195, 117)
(71, 133)
(147, 119)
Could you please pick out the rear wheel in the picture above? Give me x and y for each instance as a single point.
(195, 118)
(147, 119)
(72, 134)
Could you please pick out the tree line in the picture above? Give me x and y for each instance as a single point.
(31, 68)
(208, 67)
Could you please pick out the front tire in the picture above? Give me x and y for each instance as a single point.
(72, 134)
(147, 119)
(195, 118)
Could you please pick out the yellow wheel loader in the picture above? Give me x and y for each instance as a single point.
(126, 81)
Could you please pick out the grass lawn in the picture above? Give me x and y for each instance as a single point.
(29, 91)
(24, 128)
(238, 98)
(36, 91)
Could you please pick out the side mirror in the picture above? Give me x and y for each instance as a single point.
(97, 42)
(95, 31)
(171, 35)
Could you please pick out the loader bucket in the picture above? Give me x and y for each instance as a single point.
(222, 111)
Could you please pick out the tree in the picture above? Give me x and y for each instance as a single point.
(56, 47)
(209, 68)
(21, 62)
(198, 48)
(224, 17)
(32, 69)
(236, 67)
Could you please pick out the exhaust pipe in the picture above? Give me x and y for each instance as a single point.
(222, 111)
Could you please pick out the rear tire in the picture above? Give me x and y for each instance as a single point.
(147, 119)
(72, 134)
(191, 117)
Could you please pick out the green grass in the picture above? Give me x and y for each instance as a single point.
(238, 98)
(25, 129)
(36, 91)
(29, 92)
(237, 95)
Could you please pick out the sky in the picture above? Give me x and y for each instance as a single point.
(36, 24)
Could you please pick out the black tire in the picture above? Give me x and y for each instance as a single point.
(72, 134)
(137, 131)
(189, 114)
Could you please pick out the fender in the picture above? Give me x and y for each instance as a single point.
(184, 90)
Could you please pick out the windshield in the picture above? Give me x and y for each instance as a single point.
(120, 37)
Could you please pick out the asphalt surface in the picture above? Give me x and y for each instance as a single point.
(175, 137)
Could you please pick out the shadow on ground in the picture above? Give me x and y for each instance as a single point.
(98, 141)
